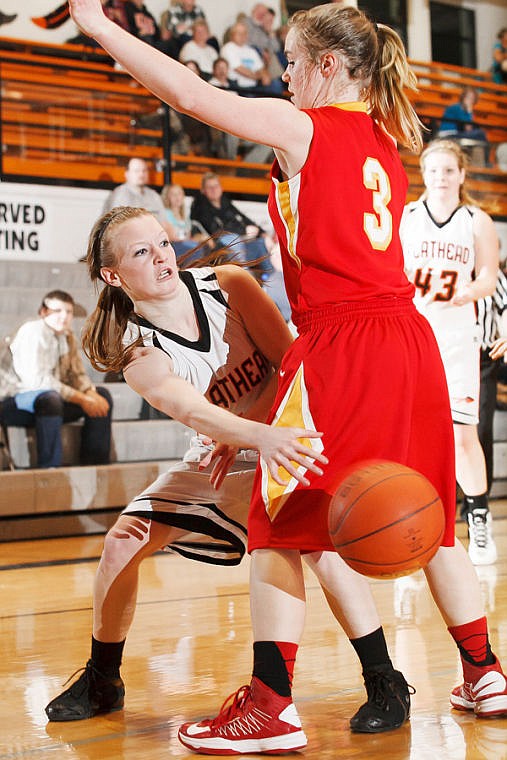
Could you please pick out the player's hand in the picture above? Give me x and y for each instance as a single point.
(282, 448)
(499, 348)
(222, 458)
(88, 15)
(463, 296)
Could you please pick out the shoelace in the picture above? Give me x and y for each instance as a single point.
(88, 669)
(228, 711)
(479, 527)
(383, 686)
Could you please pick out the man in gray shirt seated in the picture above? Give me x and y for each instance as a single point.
(135, 192)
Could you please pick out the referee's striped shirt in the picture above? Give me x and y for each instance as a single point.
(489, 309)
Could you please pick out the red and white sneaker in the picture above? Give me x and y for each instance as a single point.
(254, 719)
(484, 690)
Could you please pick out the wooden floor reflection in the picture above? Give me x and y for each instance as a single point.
(190, 647)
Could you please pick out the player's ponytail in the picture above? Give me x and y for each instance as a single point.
(104, 329)
(387, 96)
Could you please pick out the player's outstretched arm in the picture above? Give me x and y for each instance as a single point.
(270, 121)
(150, 374)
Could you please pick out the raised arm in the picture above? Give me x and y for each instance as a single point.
(269, 121)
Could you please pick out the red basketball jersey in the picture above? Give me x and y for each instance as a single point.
(353, 180)
(365, 368)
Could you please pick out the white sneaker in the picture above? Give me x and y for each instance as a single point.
(482, 548)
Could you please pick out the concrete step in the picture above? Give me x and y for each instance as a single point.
(71, 489)
(70, 500)
(132, 441)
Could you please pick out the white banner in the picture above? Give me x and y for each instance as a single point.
(46, 223)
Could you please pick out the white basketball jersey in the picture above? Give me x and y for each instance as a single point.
(439, 259)
(223, 363)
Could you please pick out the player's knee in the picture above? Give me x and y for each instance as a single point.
(130, 535)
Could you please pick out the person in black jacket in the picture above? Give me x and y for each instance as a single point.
(233, 229)
(142, 24)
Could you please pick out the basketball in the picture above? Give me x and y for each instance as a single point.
(385, 519)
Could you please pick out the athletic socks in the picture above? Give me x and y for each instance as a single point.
(473, 642)
(372, 649)
(106, 657)
(473, 502)
(274, 664)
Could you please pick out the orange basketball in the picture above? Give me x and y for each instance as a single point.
(385, 519)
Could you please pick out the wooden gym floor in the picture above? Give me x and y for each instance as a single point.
(190, 647)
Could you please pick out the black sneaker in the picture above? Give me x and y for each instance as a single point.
(92, 694)
(388, 704)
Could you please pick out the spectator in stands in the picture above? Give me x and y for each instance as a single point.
(113, 9)
(232, 228)
(178, 21)
(225, 145)
(187, 235)
(257, 36)
(197, 49)
(499, 68)
(135, 192)
(54, 388)
(281, 34)
(263, 38)
(458, 121)
(220, 74)
(142, 24)
(246, 67)
(198, 134)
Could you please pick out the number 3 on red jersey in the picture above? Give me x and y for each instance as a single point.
(378, 226)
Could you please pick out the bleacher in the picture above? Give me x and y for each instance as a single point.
(440, 85)
(68, 116)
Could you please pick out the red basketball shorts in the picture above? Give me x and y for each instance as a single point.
(370, 378)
